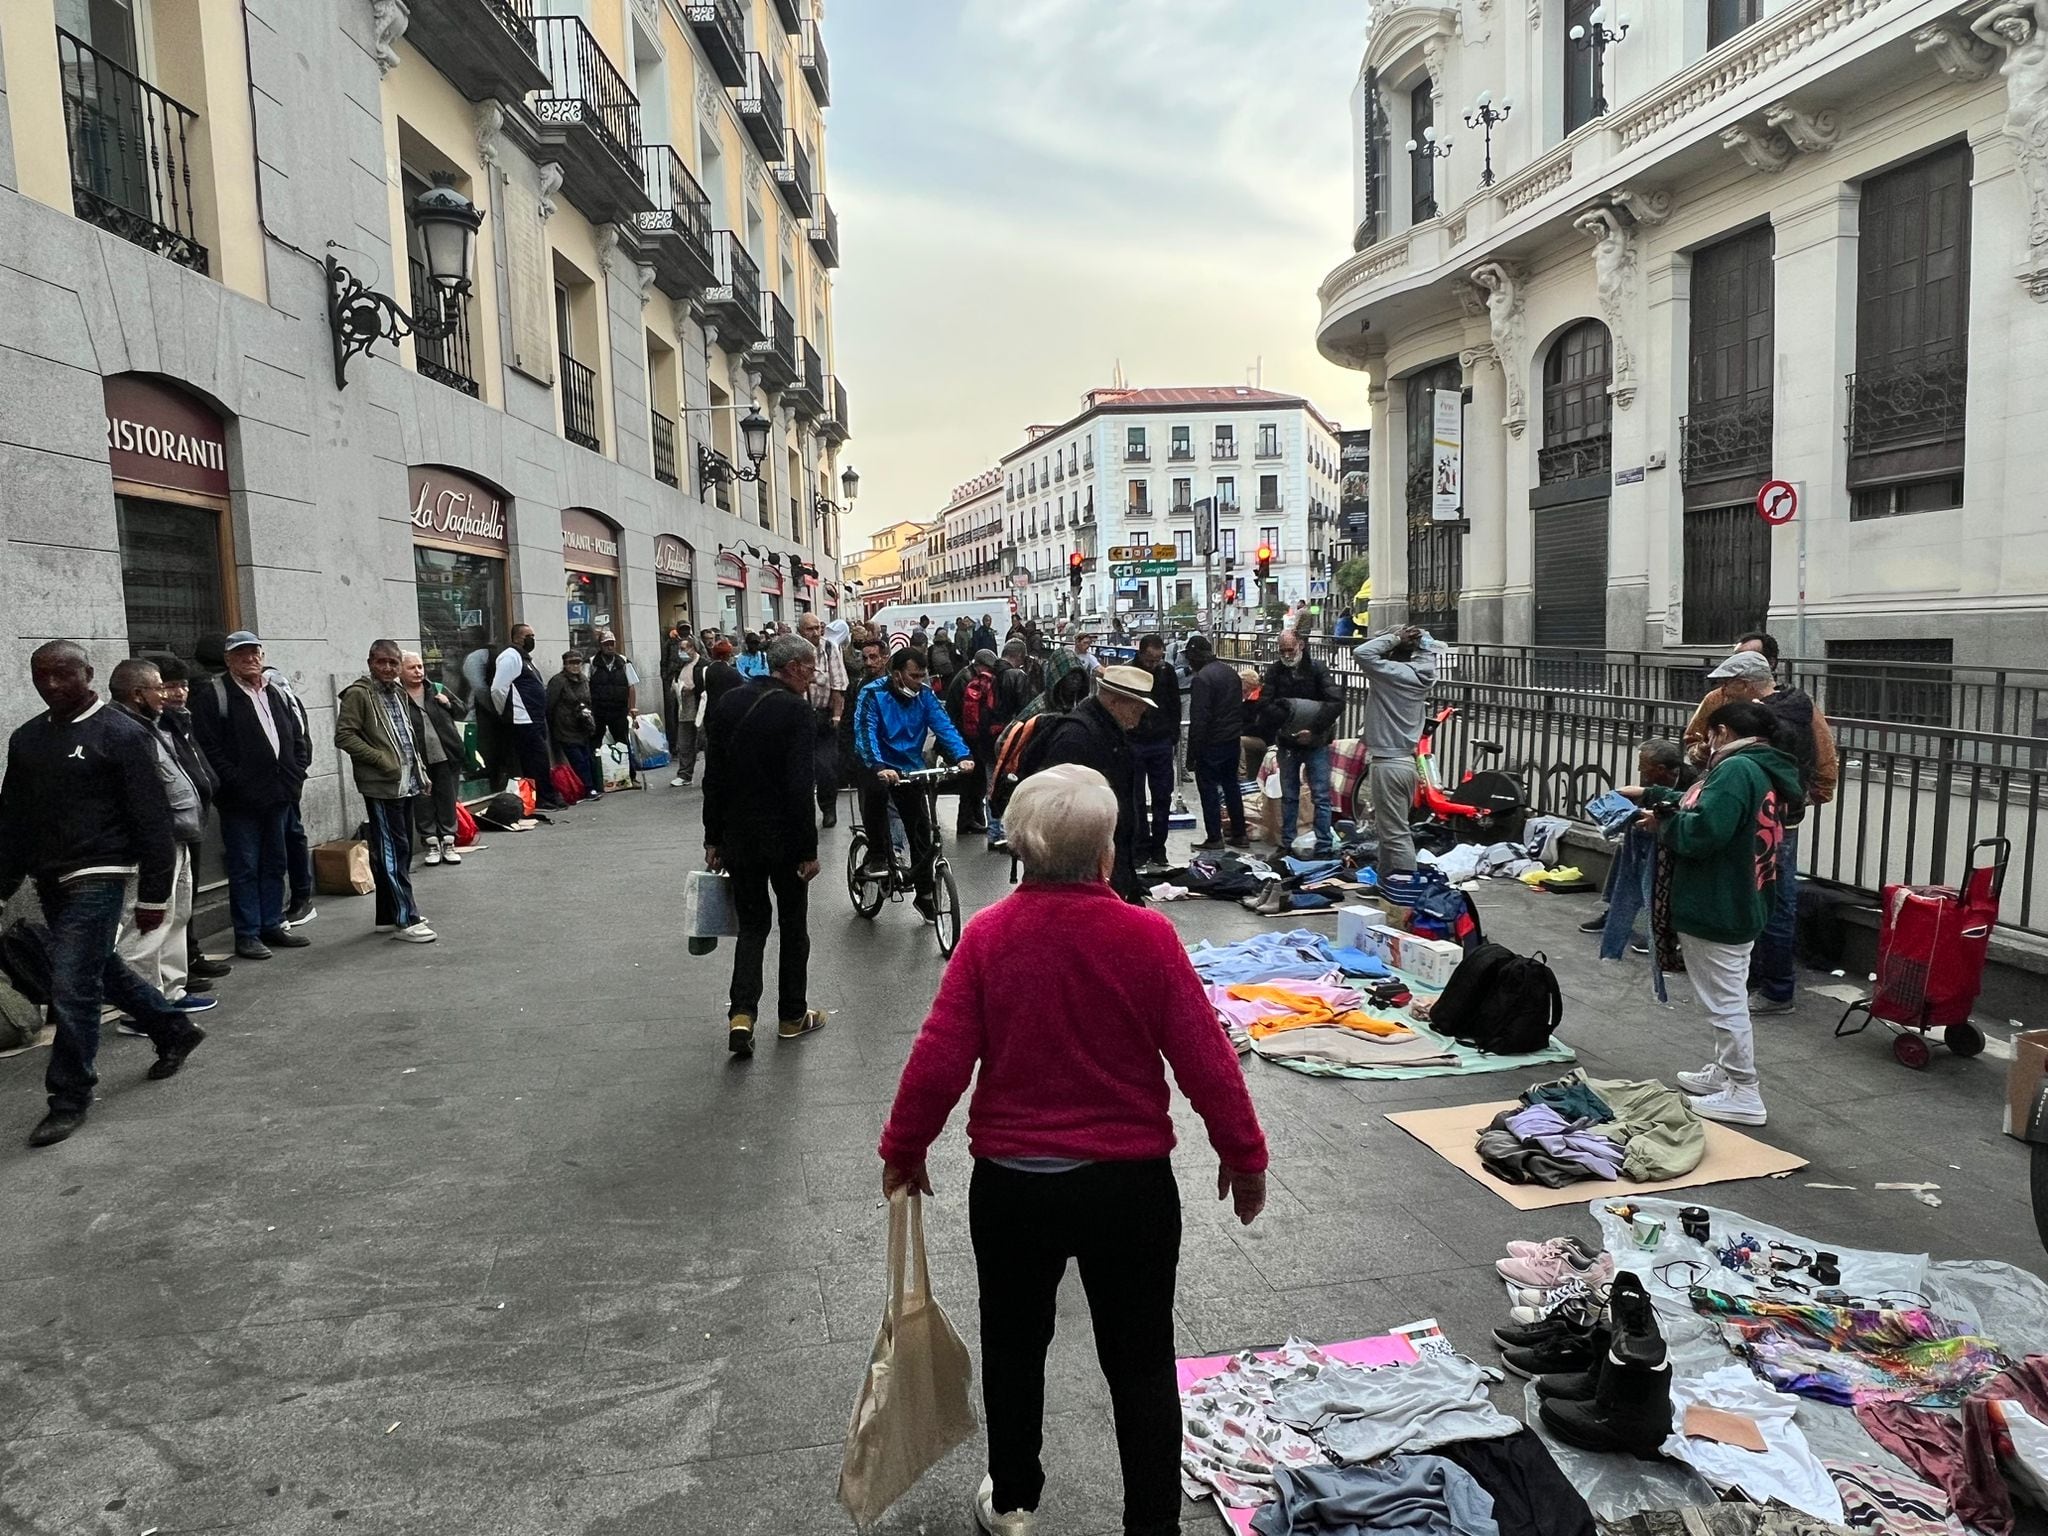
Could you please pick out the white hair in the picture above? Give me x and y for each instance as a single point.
(1061, 821)
(405, 656)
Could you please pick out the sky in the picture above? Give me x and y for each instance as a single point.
(1031, 192)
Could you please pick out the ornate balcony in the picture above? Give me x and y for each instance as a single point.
(775, 353)
(591, 120)
(791, 14)
(761, 110)
(806, 393)
(131, 168)
(795, 180)
(816, 66)
(1906, 419)
(1726, 440)
(832, 425)
(825, 232)
(579, 404)
(444, 359)
(676, 235)
(1581, 460)
(486, 48)
(733, 301)
(722, 33)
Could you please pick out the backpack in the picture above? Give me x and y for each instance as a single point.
(1500, 1002)
(977, 708)
(1007, 770)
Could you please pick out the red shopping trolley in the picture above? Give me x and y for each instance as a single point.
(1931, 944)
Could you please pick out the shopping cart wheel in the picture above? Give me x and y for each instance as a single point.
(1912, 1050)
(1964, 1039)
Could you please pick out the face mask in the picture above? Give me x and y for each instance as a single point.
(527, 644)
(906, 691)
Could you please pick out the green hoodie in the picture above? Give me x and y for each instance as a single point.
(1725, 834)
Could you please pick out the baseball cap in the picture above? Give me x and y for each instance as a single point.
(1131, 682)
(238, 639)
(1748, 666)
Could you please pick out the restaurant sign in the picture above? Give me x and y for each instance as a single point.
(450, 508)
(589, 543)
(159, 435)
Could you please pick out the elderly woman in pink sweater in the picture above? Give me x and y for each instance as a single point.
(1072, 1005)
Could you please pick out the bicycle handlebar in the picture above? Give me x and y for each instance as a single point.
(929, 775)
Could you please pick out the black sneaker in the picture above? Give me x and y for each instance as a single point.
(55, 1126)
(283, 938)
(1637, 1338)
(301, 912)
(1559, 1355)
(252, 949)
(209, 970)
(1568, 1321)
(172, 1057)
(1209, 845)
(1577, 1387)
(1593, 924)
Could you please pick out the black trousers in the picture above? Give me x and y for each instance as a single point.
(536, 764)
(751, 884)
(825, 762)
(619, 727)
(1121, 1221)
(911, 804)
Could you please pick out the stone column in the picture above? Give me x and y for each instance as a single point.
(1486, 547)
(1667, 348)
(1388, 517)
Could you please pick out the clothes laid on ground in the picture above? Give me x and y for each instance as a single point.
(1880, 1502)
(1301, 955)
(1356, 1414)
(1721, 1520)
(1230, 1444)
(1786, 1470)
(1569, 1140)
(1514, 1161)
(1570, 1097)
(1531, 1495)
(1665, 1139)
(1285, 1005)
(1577, 1129)
(1410, 1495)
(1450, 1059)
(1330, 1045)
(1961, 1453)
(1854, 1355)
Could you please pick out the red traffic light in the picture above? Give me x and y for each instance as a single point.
(1074, 561)
(1265, 553)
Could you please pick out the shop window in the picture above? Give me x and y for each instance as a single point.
(462, 614)
(171, 580)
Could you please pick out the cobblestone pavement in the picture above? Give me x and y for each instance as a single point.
(492, 1237)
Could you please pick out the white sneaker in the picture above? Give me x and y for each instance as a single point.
(1016, 1523)
(387, 928)
(677, 782)
(1709, 1079)
(418, 933)
(1735, 1106)
(448, 853)
(433, 851)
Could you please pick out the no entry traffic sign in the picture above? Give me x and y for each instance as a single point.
(1778, 501)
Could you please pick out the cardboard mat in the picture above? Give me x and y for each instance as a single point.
(1452, 1133)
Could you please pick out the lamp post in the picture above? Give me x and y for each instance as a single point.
(359, 316)
(849, 487)
(1597, 37)
(714, 468)
(1485, 115)
(1429, 148)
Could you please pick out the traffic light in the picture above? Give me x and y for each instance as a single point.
(1074, 570)
(1265, 562)
(1230, 593)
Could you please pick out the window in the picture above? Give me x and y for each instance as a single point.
(1906, 398)
(1373, 191)
(445, 359)
(1269, 493)
(1184, 544)
(1436, 551)
(1422, 158)
(1226, 492)
(1134, 445)
(1576, 406)
(1139, 498)
(171, 583)
(1183, 443)
(1270, 537)
(1225, 446)
(1229, 536)
(1183, 494)
(1727, 573)
(1269, 440)
(1916, 693)
(1581, 66)
(1728, 418)
(1074, 459)
(1725, 18)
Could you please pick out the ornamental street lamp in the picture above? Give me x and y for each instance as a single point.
(359, 316)
(1485, 114)
(714, 468)
(1430, 146)
(1597, 38)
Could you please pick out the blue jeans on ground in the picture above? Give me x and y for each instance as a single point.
(1151, 771)
(1628, 890)
(84, 916)
(1315, 762)
(298, 856)
(1216, 781)
(390, 823)
(253, 848)
(1773, 963)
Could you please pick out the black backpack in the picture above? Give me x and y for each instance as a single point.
(1500, 1002)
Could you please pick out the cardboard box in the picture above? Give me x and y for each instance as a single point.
(1428, 961)
(2023, 1078)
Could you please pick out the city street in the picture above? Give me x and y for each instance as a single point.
(492, 1236)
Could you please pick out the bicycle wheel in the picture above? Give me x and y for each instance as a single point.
(945, 907)
(865, 890)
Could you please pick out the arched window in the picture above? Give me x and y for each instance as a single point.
(1576, 406)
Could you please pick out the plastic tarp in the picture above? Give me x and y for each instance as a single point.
(2004, 1302)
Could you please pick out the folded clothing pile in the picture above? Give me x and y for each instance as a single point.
(1578, 1128)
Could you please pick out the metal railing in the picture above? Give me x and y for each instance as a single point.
(721, 30)
(795, 178)
(777, 345)
(664, 439)
(1223, 448)
(579, 404)
(585, 88)
(825, 231)
(1139, 454)
(680, 204)
(761, 110)
(1964, 757)
(811, 370)
(1907, 405)
(735, 274)
(815, 63)
(835, 407)
(444, 359)
(1725, 439)
(131, 165)
(1588, 456)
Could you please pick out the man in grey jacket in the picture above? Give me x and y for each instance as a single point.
(1398, 674)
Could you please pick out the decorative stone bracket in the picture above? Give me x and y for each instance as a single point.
(1502, 285)
(1957, 51)
(1786, 131)
(388, 21)
(550, 184)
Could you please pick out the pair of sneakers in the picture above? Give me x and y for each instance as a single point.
(1713, 1097)
(1549, 1264)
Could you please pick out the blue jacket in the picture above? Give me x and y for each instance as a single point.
(889, 730)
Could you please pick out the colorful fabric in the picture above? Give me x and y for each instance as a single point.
(1299, 955)
(1853, 1355)
(1302, 1004)
(1229, 1443)
(1962, 1455)
(1883, 1503)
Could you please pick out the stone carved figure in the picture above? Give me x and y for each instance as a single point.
(1614, 276)
(2020, 27)
(550, 184)
(489, 117)
(1503, 289)
(388, 21)
(1957, 51)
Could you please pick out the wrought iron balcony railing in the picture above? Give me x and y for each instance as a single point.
(579, 404)
(795, 179)
(816, 66)
(825, 231)
(1913, 405)
(775, 352)
(664, 439)
(721, 30)
(444, 359)
(1581, 460)
(1223, 448)
(735, 292)
(131, 165)
(761, 109)
(584, 89)
(1726, 439)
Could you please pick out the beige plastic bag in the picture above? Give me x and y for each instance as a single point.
(913, 1406)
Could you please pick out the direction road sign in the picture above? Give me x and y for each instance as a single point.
(1130, 568)
(1143, 552)
(1778, 501)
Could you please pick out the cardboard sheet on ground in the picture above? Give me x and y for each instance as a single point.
(1380, 1349)
(1452, 1132)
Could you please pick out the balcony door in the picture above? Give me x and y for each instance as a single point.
(103, 90)
(1436, 551)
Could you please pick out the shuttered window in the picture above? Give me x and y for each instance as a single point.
(1436, 551)
(1728, 423)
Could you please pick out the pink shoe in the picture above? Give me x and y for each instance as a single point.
(1545, 1270)
(1522, 1248)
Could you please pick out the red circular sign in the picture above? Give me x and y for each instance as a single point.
(1777, 502)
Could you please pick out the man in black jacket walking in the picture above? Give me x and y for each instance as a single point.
(760, 825)
(1215, 729)
(1094, 733)
(1298, 710)
(251, 736)
(1153, 740)
(82, 808)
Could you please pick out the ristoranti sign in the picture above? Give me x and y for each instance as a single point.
(451, 508)
(159, 435)
(589, 543)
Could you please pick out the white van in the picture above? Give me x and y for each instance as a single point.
(895, 622)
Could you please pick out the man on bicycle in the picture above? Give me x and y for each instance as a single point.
(891, 720)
